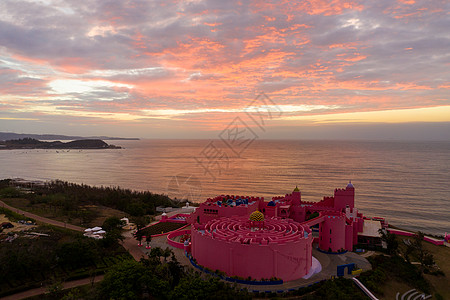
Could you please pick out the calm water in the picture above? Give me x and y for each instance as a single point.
(406, 182)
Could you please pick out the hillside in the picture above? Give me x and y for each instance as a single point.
(15, 136)
(29, 143)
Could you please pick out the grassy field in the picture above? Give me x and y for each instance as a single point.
(159, 228)
(439, 284)
(442, 258)
(86, 216)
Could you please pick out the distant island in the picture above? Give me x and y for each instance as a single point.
(29, 143)
(14, 136)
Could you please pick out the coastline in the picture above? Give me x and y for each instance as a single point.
(131, 245)
(30, 144)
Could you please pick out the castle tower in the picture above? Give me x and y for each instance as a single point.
(332, 233)
(344, 197)
(296, 196)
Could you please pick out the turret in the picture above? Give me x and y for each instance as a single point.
(344, 197)
(296, 196)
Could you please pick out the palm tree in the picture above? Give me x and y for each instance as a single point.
(148, 239)
(156, 253)
(139, 238)
(166, 253)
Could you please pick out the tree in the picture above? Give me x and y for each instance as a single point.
(54, 291)
(148, 239)
(77, 254)
(112, 238)
(428, 259)
(113, 228)
(156, 253)
(139, 236)
(136, 209)
(390, 240)
(74, 294)
(131, 280)
(166, 253)
(10, 192)
(140, 222)
(312, 216)
(123, 281)
(113, 223)
(408, 250)
(192, 286)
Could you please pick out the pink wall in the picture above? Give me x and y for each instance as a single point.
(344, 197)
(209, 210)
(261, 257)
(332, 233)
(162, 234)
(349, 237)
(425, 238)
(173, 235)
(287, 260)
(178, 218)
(298, 213)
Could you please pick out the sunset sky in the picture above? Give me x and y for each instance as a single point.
(186, 69)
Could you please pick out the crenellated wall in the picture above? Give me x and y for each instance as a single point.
(210, 210)
(229, 245)
(344, 197)
(223, 238)
(332, 232)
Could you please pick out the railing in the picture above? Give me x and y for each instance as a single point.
(425, 238)
(364, 289)
(174, 234)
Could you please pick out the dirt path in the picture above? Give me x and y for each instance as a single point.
(42, 219)
(43, 290)
(129, 243)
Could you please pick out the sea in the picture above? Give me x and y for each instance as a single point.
(408, 183)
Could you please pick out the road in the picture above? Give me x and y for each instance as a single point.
(128, 243)
(43, 290)
(42, 219)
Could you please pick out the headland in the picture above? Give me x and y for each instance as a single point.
(29, 143)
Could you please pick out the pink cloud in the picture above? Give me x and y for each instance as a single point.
(219, 54)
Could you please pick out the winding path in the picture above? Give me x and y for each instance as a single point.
(43, 290)
(42, 219)
(129, 243)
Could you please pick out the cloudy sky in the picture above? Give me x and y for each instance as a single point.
(186, 69)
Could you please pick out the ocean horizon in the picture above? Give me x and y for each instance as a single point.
(407, 182)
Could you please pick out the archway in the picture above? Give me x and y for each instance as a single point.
(341, 269)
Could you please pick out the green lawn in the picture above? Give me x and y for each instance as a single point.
(159, 228)
(442, 258)
(439, 284)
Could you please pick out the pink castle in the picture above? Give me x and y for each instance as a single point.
(248, 237)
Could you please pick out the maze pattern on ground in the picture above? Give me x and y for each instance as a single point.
(241, 230)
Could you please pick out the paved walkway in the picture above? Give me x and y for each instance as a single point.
(329, 264)
(131, 244)
(368, 253)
